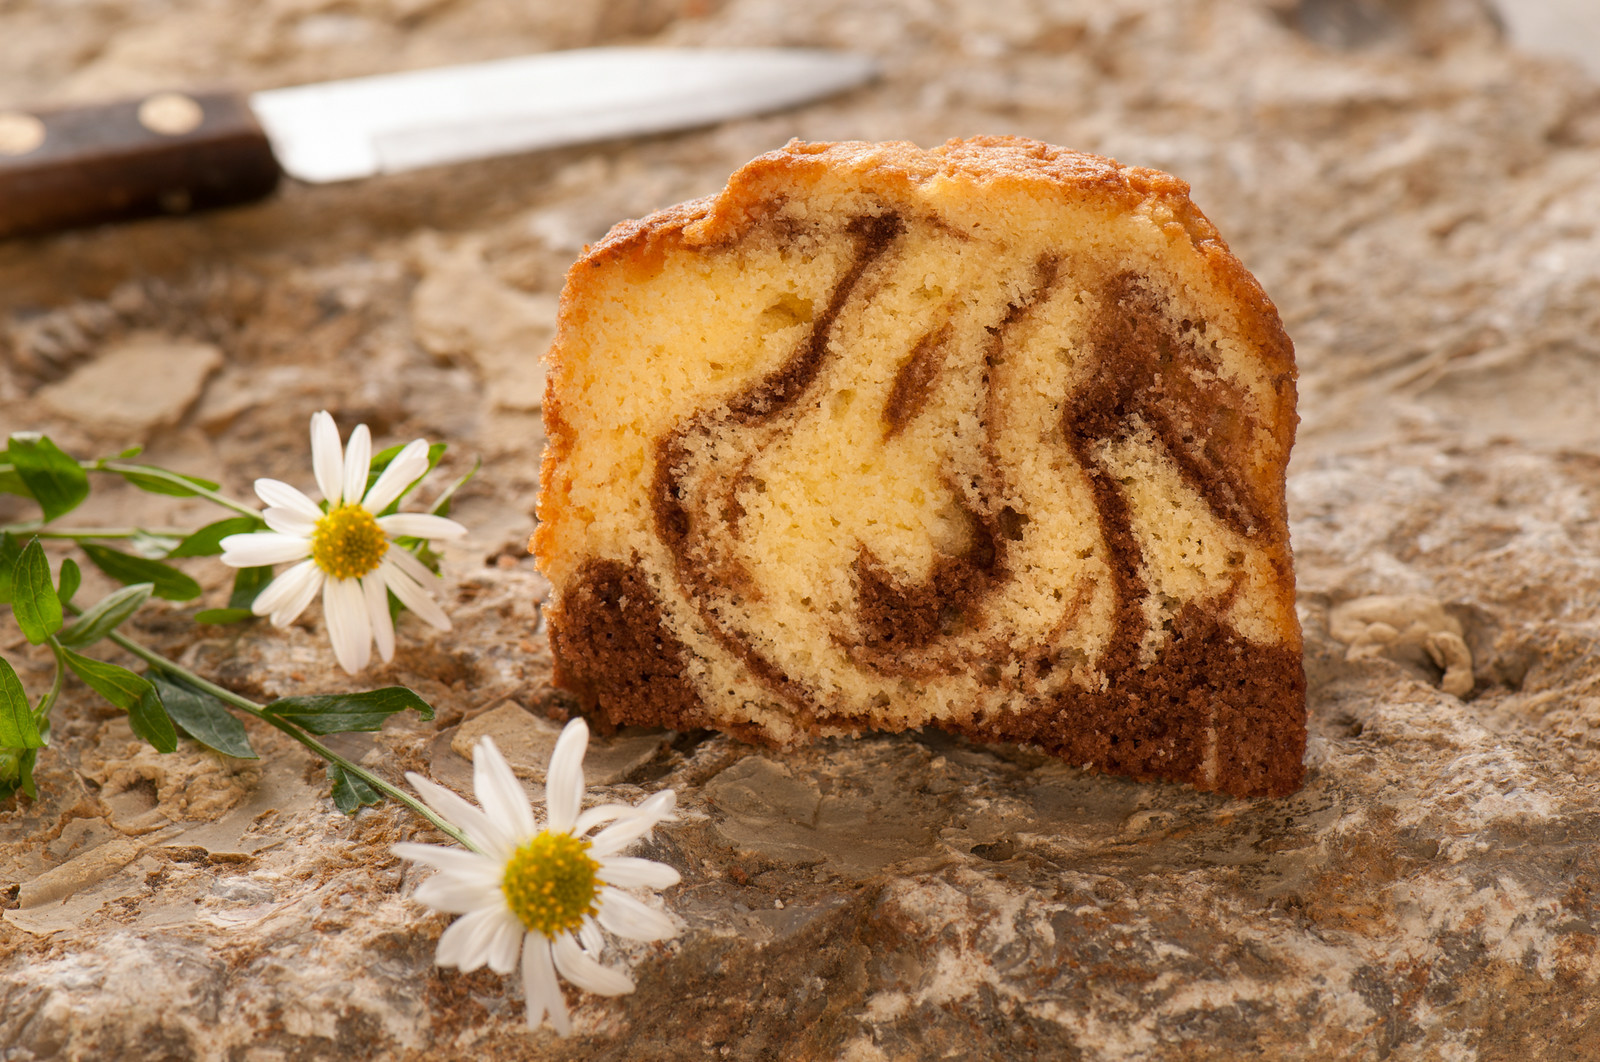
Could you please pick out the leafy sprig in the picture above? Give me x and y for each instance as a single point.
(168, 699)
(34, 467)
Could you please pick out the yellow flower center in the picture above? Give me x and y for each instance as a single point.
(551, 883)
(347, 543)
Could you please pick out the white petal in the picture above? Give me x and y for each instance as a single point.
(564, 781)
(626, 917)
(540, 988)
(345, 611)
(589, 935)
(619, 835)
(409, 566)
(376, 596)
(584, 972)
(406, 468)
(310, 582)
(494, 838)
(506, 943)
(285, 588)
(277, 493)
(630, 871)
(411, 595)
(327, 457)
(589, 818)
(357, 461)
(458, 862)
(449, 894)
(466, 944)
(260, 548)
(630, 828)
(498, 790)
(420, 525)
(287, 521)
(659, 805)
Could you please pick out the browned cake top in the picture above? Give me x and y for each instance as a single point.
(985, 163)
(991, 436)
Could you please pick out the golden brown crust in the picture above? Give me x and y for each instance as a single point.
(998, 160)
(642, 238)
(613, 617)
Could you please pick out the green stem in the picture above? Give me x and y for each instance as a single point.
(176, 480)
(444, 499)
(36, 529)
(250, 707)
(41, 715)
(152, 472)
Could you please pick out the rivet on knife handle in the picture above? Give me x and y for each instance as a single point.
(163, 154)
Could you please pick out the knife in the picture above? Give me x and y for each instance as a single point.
(173, 152)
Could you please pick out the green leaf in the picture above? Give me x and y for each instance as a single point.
(339, 712)
(246, 585)
(11, 483)
(16, 772)
(144, 544)
(174, 484)
(424, 553)
(115, 683)
(106, 615)
(56, 481)
(350, 791)
(207, 542)
(17, 727)
(168, 581)
(203, 717)
(10, 550)
(71, 579)
(441, 504)
(383, 458)
(33, 598)
(130, 692)
(149, 720)
(219, 616)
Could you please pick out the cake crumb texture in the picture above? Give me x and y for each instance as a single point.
(990, 437)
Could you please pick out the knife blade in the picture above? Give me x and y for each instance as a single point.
(176, 152)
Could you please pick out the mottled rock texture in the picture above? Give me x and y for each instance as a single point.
(1421, 202)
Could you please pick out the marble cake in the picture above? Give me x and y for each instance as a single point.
(990, 438)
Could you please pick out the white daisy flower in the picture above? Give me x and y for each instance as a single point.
(545, 893)
(344, 551)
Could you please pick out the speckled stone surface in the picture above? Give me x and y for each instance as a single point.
(1420, 201)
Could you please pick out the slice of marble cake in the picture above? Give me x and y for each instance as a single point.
(990, 438)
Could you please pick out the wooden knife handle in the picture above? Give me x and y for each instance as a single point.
(163, 154)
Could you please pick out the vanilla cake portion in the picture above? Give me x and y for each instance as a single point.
(990, 437)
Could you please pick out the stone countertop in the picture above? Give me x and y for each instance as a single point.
(1420, 200)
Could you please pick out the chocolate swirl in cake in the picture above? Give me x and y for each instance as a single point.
(1008, 483)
